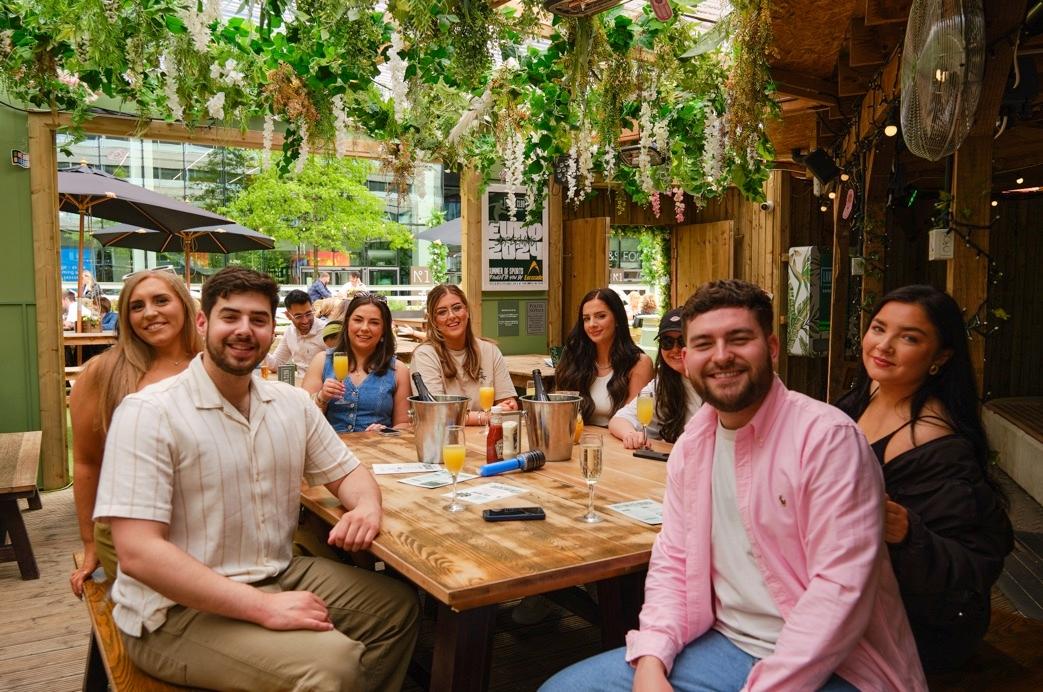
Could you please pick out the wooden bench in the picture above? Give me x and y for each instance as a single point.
(108, 664)
(1015, 430)
(19, 461)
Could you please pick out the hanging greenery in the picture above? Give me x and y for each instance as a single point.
(463, 83)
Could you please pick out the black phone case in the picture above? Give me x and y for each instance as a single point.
(491, 515)
(651, 454)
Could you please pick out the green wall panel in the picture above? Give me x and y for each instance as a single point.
(19, 386)
(508, 318)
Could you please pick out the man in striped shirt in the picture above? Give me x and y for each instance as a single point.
(201, 483)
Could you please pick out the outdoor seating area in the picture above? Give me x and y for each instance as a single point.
(517, 345)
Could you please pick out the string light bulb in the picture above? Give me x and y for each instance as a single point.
(832, 194)
(1020, 180)
(823, 208)
(844, 177)
(995, 203)
(891, 124)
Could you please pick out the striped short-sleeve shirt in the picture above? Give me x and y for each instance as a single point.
(229, 488)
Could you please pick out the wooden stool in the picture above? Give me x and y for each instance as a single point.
(19, 460)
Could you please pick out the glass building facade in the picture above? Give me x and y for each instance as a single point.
(210, 177)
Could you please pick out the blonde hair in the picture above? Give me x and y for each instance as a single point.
(648, 303)
(473, 359)
(119, 369)
(325, 307)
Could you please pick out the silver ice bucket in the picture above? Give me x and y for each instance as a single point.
(430, 420)
(551, 425)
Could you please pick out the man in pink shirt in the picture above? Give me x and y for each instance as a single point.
(770, 572)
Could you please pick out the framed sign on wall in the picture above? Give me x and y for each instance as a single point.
(514, 255)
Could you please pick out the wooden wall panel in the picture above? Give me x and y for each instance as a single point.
(701, 252)
(585, 263)
(1012, 353)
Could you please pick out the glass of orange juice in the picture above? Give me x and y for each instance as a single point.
(645, 409)
(340, 366)
(486, 397)
(453, 454)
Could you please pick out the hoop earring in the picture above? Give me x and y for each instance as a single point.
(933, 370)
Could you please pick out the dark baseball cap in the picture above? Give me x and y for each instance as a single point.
(671, 322)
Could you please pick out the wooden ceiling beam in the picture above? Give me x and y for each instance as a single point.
(804, 86)
(796, 131)
(887, 11)
(871, 45)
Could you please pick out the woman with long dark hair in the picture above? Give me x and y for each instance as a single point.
(375, 393)
(945, 523)
(675, 399)
(157, 339)
(600, 359)
(452, 360)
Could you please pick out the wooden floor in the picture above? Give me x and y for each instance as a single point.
(44, 629)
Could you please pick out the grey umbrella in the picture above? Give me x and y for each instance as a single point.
(448, 232)
(90, 192)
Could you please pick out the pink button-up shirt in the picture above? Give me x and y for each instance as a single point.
(810, 495)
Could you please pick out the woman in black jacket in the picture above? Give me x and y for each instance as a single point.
(946, 526)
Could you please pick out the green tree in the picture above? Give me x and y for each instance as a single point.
(325, 206)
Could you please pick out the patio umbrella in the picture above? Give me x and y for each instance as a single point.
(225, 238)
(90, 192)
(448, 232)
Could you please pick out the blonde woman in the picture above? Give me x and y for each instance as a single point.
(452, 360)
(157, 338)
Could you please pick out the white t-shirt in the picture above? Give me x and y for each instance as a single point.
(629, 412)
(492, 373)
(746, 612)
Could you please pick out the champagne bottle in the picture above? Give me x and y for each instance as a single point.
(537, 381)
(421, 389)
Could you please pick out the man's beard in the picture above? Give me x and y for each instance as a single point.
(755, 388)
(232, 367)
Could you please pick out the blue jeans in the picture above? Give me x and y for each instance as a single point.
(709, 664)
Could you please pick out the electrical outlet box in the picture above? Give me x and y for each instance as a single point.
(858, 266)
(940, 244)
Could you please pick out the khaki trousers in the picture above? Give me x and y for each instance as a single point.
(375, 619)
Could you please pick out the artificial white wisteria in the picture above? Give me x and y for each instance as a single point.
(302, 157)
(340, 125)
(198, 23)
(714, 149)
(168, 66)
(397, 70)
(267, 134)
(513, 156)
(215, 106)
(644, 159)
(228, 73)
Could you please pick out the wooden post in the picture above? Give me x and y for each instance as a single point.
(471, 243)
(967, 273)
(838, 304)
(43, 185)
(555, 266)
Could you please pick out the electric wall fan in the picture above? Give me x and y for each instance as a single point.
(941, 77)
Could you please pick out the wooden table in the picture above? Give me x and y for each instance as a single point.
(418, 323)
(469, 566)
(521, 368)
(404, 348)
(89, 338)
(19, 460)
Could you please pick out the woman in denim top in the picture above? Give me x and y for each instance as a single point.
(375, 394)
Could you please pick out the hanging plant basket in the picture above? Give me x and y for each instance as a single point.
(578, 8)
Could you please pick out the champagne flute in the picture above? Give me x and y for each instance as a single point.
(340, 368)
(486, 396)
(590, 447)
(645, 409)
(453, 453)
